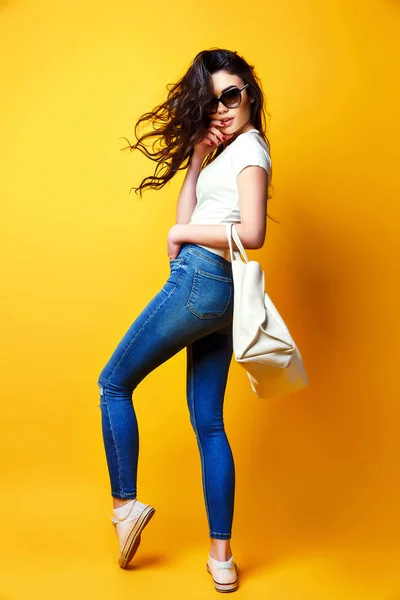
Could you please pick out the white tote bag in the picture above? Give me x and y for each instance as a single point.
(262, 343)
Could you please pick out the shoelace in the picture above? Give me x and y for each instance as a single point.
(114, 520)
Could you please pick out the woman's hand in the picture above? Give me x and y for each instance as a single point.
(211, 140)
(173, 246)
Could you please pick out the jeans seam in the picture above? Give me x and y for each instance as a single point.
(115, 445)
(214, 276)
(210, 260)
(192, 404)
(123, 495)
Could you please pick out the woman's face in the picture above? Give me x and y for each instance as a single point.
(240, 115)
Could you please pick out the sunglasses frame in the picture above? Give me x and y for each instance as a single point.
(220, 99)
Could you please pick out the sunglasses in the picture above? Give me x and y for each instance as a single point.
(230, 98)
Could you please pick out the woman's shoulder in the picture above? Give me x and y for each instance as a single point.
(250, 148)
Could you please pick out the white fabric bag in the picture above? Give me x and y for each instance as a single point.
(262, 343)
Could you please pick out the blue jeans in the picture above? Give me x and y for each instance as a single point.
(194, 309)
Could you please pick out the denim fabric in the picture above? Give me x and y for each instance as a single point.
(194, 309)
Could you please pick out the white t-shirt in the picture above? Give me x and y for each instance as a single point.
(216, 187)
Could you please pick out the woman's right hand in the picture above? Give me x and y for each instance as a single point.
(212, 139)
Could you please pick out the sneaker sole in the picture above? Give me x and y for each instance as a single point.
(224, 587)
(134, 537)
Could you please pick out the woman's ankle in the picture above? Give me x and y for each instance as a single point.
(118, 502)
(220, 549)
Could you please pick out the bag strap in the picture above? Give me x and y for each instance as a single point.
(228, 229)
(233, 234)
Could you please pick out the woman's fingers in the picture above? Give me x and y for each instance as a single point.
(213, 136)
(212, 141)
(213, 129)
(215, 139)
(215, 123)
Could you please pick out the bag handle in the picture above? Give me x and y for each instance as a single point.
(233, 234)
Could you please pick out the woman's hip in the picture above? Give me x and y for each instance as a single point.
(195, 300)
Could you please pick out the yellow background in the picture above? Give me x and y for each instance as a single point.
(317, 495)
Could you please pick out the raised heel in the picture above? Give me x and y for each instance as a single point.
(224, 586)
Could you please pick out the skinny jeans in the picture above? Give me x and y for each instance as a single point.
(193, 310)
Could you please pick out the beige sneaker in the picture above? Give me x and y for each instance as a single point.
(129, 531)
(224, 574)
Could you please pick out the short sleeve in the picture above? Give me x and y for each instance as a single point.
(249, 151)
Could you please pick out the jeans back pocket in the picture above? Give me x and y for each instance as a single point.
(210, 294)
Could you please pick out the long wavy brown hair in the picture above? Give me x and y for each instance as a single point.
(180, 122)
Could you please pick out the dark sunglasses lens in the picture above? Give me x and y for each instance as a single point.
(232, 97)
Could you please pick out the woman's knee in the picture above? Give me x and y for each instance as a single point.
(111, 390)
(102, 379)
(207, 426)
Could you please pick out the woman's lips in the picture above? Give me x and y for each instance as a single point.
(227, 123)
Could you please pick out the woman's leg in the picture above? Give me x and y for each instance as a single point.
(196, 300)
(208, 361)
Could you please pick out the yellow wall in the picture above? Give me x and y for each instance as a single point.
(317, 496)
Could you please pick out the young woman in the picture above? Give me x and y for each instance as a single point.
(210, 123)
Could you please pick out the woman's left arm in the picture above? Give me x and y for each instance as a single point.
(252, 184)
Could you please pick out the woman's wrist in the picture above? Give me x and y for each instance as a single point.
(196, 162)
(175, 233)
